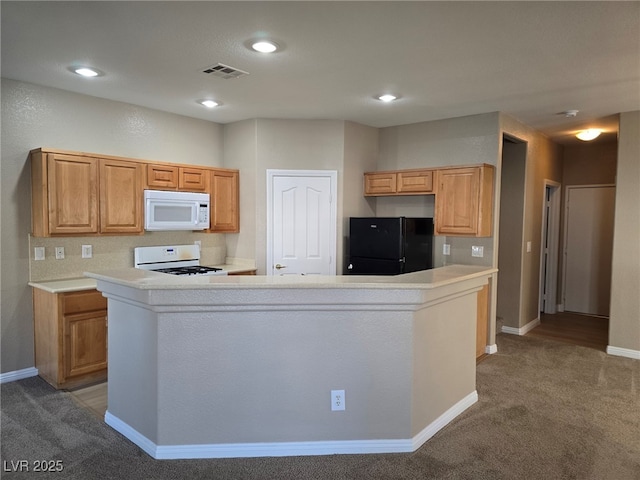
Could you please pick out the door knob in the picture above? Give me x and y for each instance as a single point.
(278, 266)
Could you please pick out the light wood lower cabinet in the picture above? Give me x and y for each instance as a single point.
(70, 337)
(482, 321)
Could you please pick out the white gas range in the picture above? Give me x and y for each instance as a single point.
(174, 260)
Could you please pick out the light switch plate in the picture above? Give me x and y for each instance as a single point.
(38, 253)
(477, 251)
(446, 249)
(87, 251)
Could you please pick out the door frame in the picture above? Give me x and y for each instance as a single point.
(333, 177)
(550, 240)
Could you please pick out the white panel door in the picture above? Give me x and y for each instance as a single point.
(302, 226)
(588, 249)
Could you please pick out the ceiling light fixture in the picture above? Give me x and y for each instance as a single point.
(86, 72)
(589, 134)
(387, 98)
(264, 46)
(209, 103)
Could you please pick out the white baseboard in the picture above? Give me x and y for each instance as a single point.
(281, 449)
(522, 330)
(18, 374)
(623, 352)
(491, 349)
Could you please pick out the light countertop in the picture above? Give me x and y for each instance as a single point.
(86, 283)
(146, 280)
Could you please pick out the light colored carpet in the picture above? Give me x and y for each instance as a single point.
(546, 411)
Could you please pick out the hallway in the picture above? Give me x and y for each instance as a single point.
(574, 328)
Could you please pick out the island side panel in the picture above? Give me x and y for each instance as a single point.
(133, 374)
(266, 376)
(444, 363)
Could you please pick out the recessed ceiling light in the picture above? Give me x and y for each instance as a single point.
(387, 98)
(209, 103)
(87, 71)
(589, 134)
(264, 46)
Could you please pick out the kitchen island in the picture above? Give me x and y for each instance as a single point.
(215, 366)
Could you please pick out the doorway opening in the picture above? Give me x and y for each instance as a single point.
(549, 247)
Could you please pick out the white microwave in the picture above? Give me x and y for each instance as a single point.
(166, 210)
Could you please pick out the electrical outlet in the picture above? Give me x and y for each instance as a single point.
(446, 249)
(477, 251)
(337, 400)
(528, 247)
(38, 253)
(87, 251)
(59, 253)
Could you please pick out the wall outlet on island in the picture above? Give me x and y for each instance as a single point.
(337, 400)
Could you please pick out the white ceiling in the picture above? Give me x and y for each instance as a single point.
(532, 60)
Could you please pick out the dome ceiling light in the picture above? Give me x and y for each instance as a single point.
(590, 134)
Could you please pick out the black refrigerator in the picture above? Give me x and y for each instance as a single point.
(389, 245)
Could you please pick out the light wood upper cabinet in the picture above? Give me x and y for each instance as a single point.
(415, 181)
(401, 182)
(225, 216)
(193, 179)
(464, 201)
(174, 177)
(121, 204)
(162, 177)
(64, 194)
(380, 183)
(75, 194)
(86, 194)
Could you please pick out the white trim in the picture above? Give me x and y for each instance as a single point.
(522, 330)
(491, 349)
(623, 352)
(18, 374)
(282, 449)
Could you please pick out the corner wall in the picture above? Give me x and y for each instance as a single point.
(624, 320)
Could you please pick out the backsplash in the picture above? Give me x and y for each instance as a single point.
(112, 252)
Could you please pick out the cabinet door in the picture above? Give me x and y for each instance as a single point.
(464, 201)
(379, 183)
(192, 179)
(162, 177)
(224, 202)
(121, 202)
(85, 343)
(457, 201)
(72, 194)
(420, 181)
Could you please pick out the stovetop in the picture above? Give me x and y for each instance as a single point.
(174, 260)
(194, 270)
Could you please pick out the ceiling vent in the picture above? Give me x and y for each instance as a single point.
(224, 71)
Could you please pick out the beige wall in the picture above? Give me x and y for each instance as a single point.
(34, 116)
(624, 323)
(543, 162)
